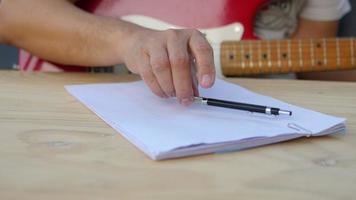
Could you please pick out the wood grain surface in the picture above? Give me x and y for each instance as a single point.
(52, 147)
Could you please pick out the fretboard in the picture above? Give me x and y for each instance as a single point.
(245, 58)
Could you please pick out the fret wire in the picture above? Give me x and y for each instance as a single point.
(338, 52)
(300, 53)
(330, 59)
(242, 51)
(289, 54)
(269, 54)
(325, 52)
(251, 54)
(282, 42)
(227, 52)
(352, 52)
(312, 51)
(234, 53)
(260, 54)
(338, 61)
(230, 51)
(279, 54)
(330, 44)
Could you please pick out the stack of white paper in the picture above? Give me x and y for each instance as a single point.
(164, 129)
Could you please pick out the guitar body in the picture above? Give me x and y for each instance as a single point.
(200, 14)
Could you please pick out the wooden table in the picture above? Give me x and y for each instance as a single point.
(52, 147)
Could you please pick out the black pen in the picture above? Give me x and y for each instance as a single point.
(242, 106)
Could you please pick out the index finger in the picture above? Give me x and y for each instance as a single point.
(204, 57)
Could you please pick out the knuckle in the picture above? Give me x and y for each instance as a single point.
(159, 65)
(173, 33)
(150, 80)
(171, 91)
(168, 90)
(206, 67)
(203, 47)
(146, 75)
(142, 50)
(180, 60)
(195, 32)
(185, 93)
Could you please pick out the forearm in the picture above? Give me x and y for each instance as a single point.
(58, 31)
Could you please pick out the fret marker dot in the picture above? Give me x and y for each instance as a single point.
(265, 56)
(247, 56)
(231, 56)
(284, 55)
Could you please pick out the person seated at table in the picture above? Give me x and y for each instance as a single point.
(62, 32)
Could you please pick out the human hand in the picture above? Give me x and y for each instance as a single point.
(164, 60)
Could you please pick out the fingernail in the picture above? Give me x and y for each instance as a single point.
(206, 80)
(186, 101)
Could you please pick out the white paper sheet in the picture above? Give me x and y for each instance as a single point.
(163, 129)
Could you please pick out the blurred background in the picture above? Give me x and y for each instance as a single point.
(9, 55)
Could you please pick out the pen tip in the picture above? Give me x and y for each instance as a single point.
(285, 112)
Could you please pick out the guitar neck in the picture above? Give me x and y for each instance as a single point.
(244, 58)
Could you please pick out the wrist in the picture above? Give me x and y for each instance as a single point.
(123, 38)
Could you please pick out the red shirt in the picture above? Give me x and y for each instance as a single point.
(192, 13)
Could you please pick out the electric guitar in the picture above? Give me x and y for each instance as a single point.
(251, 57)
(228, 26)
